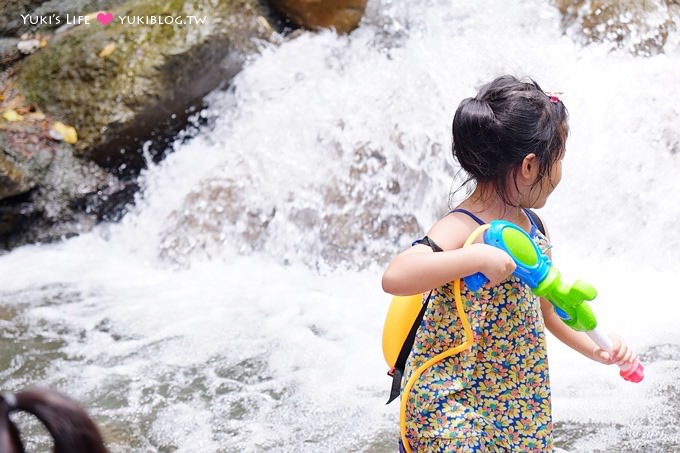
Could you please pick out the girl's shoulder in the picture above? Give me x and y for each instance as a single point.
(451, 231)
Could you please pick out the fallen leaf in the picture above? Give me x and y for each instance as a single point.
(107, 50)
(12, 115)
(60, 131)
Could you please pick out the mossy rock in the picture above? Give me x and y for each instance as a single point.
(118, 84)
(31, 16)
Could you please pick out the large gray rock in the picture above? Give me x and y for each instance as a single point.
(44, 189)
(122, 84)
(10, 15)
(25, 156)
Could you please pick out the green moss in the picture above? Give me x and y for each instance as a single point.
(70, 80)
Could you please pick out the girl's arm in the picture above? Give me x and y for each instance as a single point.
(580, 342)
(419, 269)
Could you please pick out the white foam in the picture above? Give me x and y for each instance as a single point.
(243, 353)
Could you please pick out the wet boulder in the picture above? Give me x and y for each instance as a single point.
(341, 15)
(642, 28)
(25, 155)
(44, 190)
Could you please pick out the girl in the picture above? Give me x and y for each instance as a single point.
(495, 396)
(71, 428)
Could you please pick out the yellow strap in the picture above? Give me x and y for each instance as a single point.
(455, 350)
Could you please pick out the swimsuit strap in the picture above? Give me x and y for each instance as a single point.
(533, 218)
(532, 233)
(468, 213)
(536, 223)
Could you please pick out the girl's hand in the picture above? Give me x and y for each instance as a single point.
(495, 264)
(620, 353)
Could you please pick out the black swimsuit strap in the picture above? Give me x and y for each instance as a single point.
(533, 218)
(468, 213)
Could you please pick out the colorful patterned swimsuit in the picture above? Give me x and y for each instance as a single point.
(494, 396)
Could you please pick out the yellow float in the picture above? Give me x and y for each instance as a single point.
(401, 314)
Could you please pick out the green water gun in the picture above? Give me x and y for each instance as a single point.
(535, 269)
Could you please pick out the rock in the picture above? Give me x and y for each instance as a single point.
(122, 89)
(214, 213)
(346, 219)
(24, 157)
(122, 84)
(24, 16)
(10, 15)
(28, 46)
(642, 28)
(342, 15)
(44, 189)
(9, 51)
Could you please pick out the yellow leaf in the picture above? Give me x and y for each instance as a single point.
(107, 50)
(61, 131)
(12, 115)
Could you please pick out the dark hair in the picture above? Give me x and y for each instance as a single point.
(508, 119)
(71, 428)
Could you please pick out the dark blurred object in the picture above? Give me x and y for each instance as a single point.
(72, 430)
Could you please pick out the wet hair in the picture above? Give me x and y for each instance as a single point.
(507, 120)
(72, 430)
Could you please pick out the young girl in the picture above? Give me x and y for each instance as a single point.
(495, 396)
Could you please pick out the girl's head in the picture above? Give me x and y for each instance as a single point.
(71, 428)
(508, 125)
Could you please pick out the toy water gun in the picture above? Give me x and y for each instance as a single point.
(535, 269)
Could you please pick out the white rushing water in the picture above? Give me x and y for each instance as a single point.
(238, 306)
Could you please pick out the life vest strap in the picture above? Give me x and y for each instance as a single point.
(398, 370)
(396, 384)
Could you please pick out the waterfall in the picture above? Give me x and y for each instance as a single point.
(237, 306)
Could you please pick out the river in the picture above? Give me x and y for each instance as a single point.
(237, 306)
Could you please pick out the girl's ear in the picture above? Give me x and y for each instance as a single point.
(529, 168)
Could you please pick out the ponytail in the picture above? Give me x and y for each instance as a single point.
(72, 430)
(475, 139)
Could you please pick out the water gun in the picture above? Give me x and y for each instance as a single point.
(535, 269)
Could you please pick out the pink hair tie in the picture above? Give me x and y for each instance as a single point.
(554, 97)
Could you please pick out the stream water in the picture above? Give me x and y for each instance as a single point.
(237, 307)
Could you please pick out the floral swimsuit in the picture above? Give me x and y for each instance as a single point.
(494, 396)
